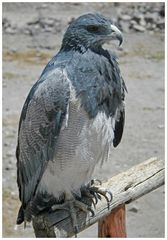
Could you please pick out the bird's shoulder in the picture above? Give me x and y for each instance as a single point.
(52, 90)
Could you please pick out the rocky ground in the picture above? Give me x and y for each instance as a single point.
(32, 34)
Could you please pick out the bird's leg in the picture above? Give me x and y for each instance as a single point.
(89, 195)
(70, 204)
(94, 192)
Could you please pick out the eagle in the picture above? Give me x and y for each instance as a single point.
(71, 120)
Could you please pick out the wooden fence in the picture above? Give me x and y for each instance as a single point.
(125, 187)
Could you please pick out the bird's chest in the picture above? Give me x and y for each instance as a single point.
(96, 81)
(82, 143)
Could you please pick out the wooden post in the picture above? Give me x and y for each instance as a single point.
(125, 187)
(113, 225)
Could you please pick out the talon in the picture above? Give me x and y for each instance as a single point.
(111, 196)
(92, 212)
(103, 193)
(94, 203)
(99, 192)
(96, 198)
(98, 195)
(90, 196)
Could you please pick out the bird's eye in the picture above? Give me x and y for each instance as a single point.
(93, 28)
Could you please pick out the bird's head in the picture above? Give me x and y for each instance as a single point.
(90, 31)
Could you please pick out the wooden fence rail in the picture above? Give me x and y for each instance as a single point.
(125, 187)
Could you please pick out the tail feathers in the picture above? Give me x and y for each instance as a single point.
(20, 217)
(42, 202)
(23, 217)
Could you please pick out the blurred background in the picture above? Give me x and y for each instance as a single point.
(32, 34)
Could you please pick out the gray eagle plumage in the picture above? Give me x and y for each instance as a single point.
(71, 118)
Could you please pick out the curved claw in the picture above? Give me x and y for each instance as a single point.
(98, 195)
(92, 212)
(104, 195)
(91, 197)
(94, 195)
(102, 192)
(96, 198)
(94, 203)
(84, 207)
(111, 196)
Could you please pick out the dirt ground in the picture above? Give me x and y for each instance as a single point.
(26, 50)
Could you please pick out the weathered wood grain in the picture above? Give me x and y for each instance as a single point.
(125, 187)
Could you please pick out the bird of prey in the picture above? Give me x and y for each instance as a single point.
(71, 119)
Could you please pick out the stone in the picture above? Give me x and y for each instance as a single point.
(142, 16)
(139, 28)
(124, 26)
(4, 85)
(160, 126)
(161, 24)
(142, 22)
(37, 26)
(125, 17)
(34, 21)
(47, 21)
(5, 23)
(44, 5)
(138, 17)
(151, 17)
(162, 11)
(48, 29)
(11, 30)
(71, 20)
(27, 31)
(133, 209)
(151, 26)
(133, 22)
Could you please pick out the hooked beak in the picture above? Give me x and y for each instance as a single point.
(116, 34)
